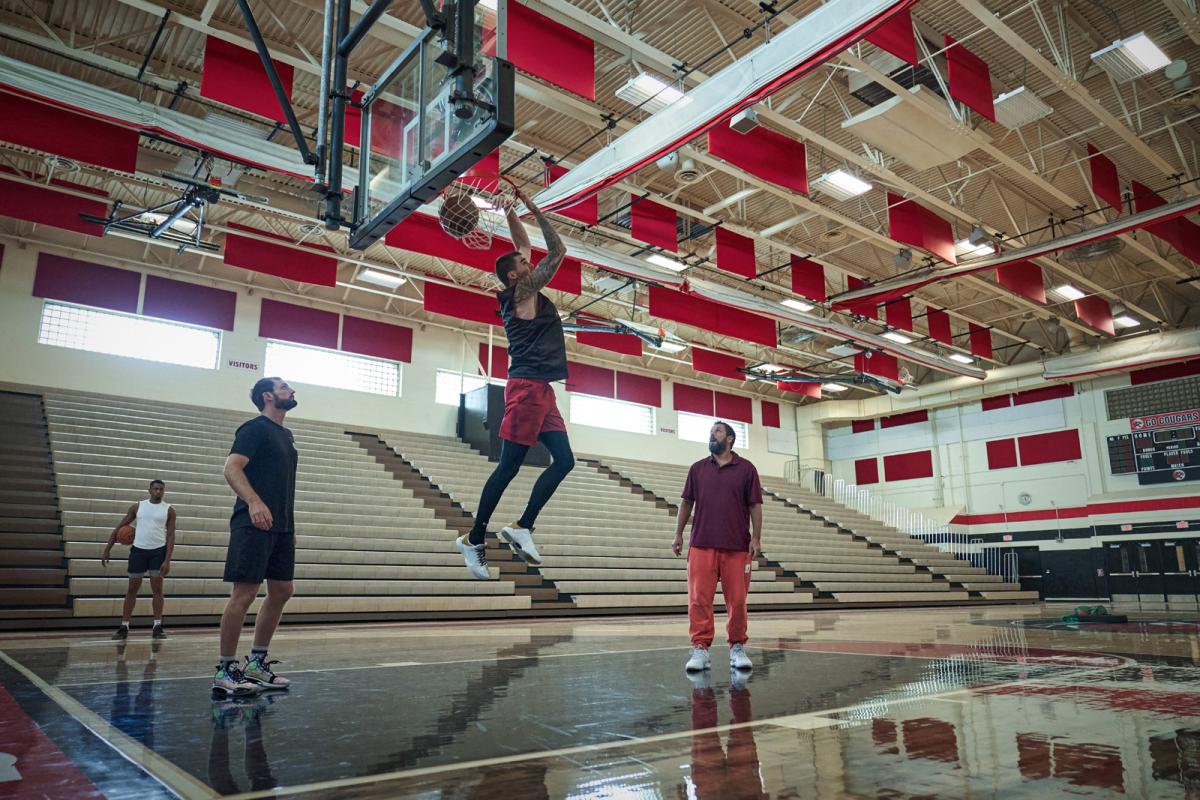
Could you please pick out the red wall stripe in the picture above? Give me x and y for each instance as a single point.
(711, 316)
(862, 425)
(1048, 448)
(898, 314)
(282, 262)
(588, 379)
(808, 279)
(45, 206)
(1105, 183)
(735, 253)
(993, 403)
(911, 223)
(764, 153)
(1051, 392)
(499, 361)
(379, 339)
(75, 281)
(55, 130)
(234, 76)
(907, 418)
(938, 322)
(189, 302)
(653, 223)
(301, 324)
(969, 78)
(1091, 509)
(1002, 453)
(1095, 311)
(770, 414)
(1023, 278)
(734, 407)
(866, 471)
(908, 466)
(896, 37)
(552, 51)
(693, 399)
(586, 211)
(981, 341)
(720, 364)
(462, 304)
(1180, 369)
(639, 389)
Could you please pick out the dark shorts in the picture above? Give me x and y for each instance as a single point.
(143, 561)
(255, 555)
(529, 409)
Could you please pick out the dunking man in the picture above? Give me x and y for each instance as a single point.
(153, 543)
(261, 470)
(537, 356)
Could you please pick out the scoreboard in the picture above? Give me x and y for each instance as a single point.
(1157, 455)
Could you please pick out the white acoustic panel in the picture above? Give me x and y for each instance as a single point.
(783, 441)
(1048, 415)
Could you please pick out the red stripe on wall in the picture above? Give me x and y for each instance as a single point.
(1181, 369)
(55, 130)
(1091, 509)
(993, 403)
(862, 425)
(734, 407)
(908, 466)
(1053, 392)
(866, 471)
(75, 281)
(1049, 448)
(639, 389)
(301, 324)
(693, 399)
(908, 418)
(1002, 453)
(189, 302)
(380, 339)
(770, 414)
(588, 379)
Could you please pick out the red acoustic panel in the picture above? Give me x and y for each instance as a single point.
(812, 390)
(499, 361)
(908, 466)
(1106, 184)
(1002, 453)
(993, 403)
(379, 339)
(189, 302)
(866, 471)
(54, 130)
(74, 281)
(734, 407)
(283, 262)
(898, 314)
(1095, 311)
(911, 223)
(235, 76)
(938, 322)
(639, 389)
(586, 211)
(1181, 233)
(301, 324)
(908, 418)
(862, 425)
(1052, 392)
(460, 303)
(552, 51)
(808, 279)
(653, 223)
(981, 341)
(876, 363)
(770, 414)
(1023, 278)
(623, 343)
(1181, 369)
(485, 174)
(693, 399)
(711, 316)
(735, 253)
(969, 78)
(45, 206)
(863, 308)
(764, 153)
(588, 379)
(896, 37)
(720, 364)
(1047, 448)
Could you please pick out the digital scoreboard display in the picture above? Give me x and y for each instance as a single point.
(1121, 460)
(1164, 455)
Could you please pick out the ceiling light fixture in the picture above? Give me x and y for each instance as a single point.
(668, 263)
(671, 347)
(1068, 292)
(381, 278)
(1132, 57)
(798, 305)
(968, 248)
(899, 338)
(648, 91)
(780, 227)
(728, 201)
(1126, 321)
(1020, 107)
(832, 387)
(960, 358)
(840, 185)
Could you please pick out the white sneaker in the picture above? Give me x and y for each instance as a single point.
(521, 542)
(738, 658)
(473, 555)
(699, 660)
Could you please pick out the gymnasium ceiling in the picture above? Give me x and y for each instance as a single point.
(1149, 127)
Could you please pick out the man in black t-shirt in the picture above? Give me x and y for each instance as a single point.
(538, 356)
(261, 470)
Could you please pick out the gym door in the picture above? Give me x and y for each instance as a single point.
(1135, 572)
(1181, 571)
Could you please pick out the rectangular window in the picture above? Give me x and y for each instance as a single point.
(120, 334)
(298, 363)
(451, 384)
(695, 428)
(600, 412)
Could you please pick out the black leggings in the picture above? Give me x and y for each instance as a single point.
(512, 455)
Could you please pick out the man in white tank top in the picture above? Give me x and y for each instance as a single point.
(153, 544)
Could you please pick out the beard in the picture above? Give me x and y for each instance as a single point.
(286, 405)
(716, 448)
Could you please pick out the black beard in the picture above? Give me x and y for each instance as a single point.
(286, 405)
(716, 448)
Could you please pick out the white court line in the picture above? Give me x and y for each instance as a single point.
(160, 769)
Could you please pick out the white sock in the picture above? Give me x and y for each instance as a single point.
(125, 622)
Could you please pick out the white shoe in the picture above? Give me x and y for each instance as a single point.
(699, 660)
(473, 555)
(738, 658)
(521, 542)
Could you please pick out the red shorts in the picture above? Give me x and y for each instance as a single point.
(529, 409)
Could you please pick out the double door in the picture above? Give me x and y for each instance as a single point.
(1154, 572)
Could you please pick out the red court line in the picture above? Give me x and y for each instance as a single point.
(42, 770)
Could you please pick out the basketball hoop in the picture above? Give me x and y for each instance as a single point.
(474, 208)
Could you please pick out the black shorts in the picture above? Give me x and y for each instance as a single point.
(255, 555)
(143, 561)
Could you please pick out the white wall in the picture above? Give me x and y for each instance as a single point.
(24, 361)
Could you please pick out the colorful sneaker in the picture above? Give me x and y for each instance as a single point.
(475, 557)
(230, 682)
(122, 632)
(521, 541)
(158, 632)
(738, 658)
(260, 672)
(699, 660)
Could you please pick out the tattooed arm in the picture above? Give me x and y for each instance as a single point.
(529, 285)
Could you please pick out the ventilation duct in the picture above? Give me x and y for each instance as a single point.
(867, 90)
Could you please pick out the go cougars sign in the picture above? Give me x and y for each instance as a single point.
(1169, 420)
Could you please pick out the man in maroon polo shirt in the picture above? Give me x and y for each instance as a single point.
(727, 497)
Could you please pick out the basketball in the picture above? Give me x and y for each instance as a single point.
(458, 215)
(125, 535)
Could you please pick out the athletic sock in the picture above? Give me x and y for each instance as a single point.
(227, 660)
(476, 537)
(158, 623)
(258, 654)
(125, 623)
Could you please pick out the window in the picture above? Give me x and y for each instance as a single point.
(618, 415)
(297, 363)
(118, 334)
(451, 384)
(695, 428)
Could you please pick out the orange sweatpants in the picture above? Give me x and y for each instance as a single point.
(705, 567)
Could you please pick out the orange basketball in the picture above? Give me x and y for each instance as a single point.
(458, 214)
(125, 534)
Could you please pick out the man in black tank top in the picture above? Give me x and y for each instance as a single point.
(537, 355)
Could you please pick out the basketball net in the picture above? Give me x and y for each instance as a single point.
(473, 209)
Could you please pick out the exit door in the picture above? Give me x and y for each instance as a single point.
(1135, 573)
(1181, 572)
